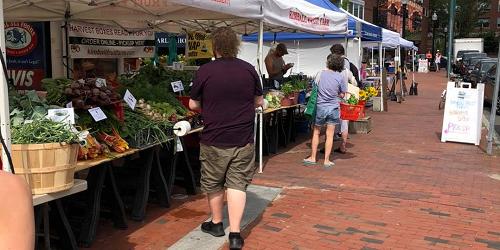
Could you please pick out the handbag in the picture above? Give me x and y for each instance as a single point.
(310, 111)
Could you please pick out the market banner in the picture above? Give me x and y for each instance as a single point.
(26, 54)
(304, 16)
(102, 41)
(199, 45)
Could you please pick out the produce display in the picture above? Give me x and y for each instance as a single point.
(151, 122)
(26, 108)
(43, 131)
(142, 131)
(115, 141)
(273, 101)
(90, 148)
(55, 90)
(352, 100)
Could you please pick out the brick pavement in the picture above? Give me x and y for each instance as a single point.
(398, 187)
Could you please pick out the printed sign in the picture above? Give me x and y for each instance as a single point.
(199, 45)
(25, 48)
(102, 41)
(97, 114)
(162, 40)
(130, 99)
(66, 115)
(177, 86)
(462, 114)
(177, 66)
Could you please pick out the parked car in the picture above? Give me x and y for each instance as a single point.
(479, 71)
(471, 62)
(489, 87)
(467, 56)
(460, 53)
(462, 65)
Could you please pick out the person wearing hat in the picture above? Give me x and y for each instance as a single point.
(275, 65)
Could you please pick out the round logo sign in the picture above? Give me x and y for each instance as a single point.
(20, 39)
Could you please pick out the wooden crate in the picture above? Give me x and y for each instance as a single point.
(361, 126)
(47, 168)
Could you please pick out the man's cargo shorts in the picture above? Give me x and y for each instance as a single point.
(232, 167)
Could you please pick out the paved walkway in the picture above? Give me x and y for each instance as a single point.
(398, 187)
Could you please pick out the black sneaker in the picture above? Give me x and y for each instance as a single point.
(236, 242)
(216, 230)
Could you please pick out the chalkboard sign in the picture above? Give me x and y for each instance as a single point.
(462, 114)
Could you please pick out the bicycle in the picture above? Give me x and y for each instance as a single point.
(442, 102)
(453, 77)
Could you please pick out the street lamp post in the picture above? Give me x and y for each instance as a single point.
(404, 4)
(445, 37)
(434, 19)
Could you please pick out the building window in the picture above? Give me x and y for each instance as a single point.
(498, 22)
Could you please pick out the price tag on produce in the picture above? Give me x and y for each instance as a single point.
(177, 86)
(130, 99)
(177, 66)
(66, 115)
(69, 105)
(97, 114)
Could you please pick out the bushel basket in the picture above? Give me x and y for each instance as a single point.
(351, 112)
(48, 168)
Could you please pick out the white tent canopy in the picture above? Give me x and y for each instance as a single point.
(174, 15)
(390, 38)
(405, 43)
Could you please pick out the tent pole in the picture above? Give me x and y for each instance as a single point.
(261, 70)
(4, 102)
(401, 67)
(381, 68)
(298, 57)
(413, 66)
(346, 46)
(260, 59)
(371, 62)
(360, 54)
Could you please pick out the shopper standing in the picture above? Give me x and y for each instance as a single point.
(437, 60)
(338, 49)
(331, 87)
(227, 90)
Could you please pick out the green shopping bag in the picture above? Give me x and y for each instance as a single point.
(310, 111)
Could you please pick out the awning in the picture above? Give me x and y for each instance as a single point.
(175, 15)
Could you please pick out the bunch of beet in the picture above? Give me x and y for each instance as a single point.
(88, 93)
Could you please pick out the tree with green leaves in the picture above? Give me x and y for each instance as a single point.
(467, 14)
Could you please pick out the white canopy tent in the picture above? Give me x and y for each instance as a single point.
(171, 16)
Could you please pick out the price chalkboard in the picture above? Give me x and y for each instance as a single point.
(463, 113)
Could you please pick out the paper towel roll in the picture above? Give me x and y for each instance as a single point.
(182, 128)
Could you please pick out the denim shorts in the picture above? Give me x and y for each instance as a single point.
(327, 115)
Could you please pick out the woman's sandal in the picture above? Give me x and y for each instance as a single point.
(329, 165)
(308, 162)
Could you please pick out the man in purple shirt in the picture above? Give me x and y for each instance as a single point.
(227, 91)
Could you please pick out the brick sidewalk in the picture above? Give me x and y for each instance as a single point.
(398, 187)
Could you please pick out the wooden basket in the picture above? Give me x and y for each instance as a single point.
(48, 168)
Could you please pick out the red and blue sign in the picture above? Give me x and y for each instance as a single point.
(26, 53)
